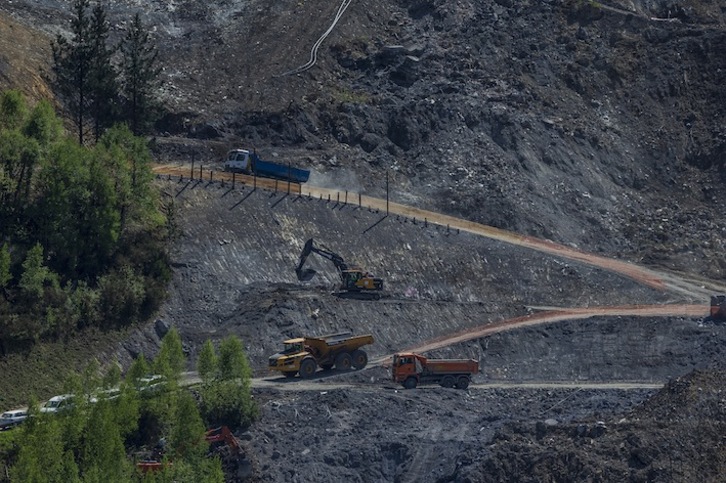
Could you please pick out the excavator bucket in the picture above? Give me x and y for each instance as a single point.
(305, 275)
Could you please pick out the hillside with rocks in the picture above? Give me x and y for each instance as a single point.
(598, 126)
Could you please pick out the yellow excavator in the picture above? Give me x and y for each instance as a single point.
(353, 279)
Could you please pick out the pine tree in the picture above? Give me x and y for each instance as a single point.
(139, 77)
(72, 59)
(103, 85)
(207, 363)
(5, 275)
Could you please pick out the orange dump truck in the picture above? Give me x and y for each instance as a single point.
(412, 369)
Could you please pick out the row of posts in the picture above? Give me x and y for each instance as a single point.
(345, 202)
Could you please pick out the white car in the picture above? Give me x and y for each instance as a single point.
(57, 403)
(61, 403)
(10, 419)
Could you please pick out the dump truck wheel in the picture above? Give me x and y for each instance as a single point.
(360, 359)
(290, 374)
(308, 367)
(448, 381)
(343, 362)
(462, 382)
(410, 383)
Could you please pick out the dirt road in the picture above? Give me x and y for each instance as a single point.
(689, 286)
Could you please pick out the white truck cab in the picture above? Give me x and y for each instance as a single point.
(238, 160)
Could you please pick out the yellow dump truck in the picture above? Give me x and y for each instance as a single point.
(305, 354)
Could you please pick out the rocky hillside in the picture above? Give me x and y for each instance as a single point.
(593, 124)
(596, 125)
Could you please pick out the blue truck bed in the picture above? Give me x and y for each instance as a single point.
(269, 169)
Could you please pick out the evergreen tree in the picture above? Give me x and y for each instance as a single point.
(103, 456)
(102, 82)
(187, 436)
(5, 275)
(41, 456)
(139, 77)
(170, 361)
(207, 363)
(72, 66)
(226, 396)
(233, 364)
(139, 368)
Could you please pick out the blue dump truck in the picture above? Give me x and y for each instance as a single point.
(244, 161)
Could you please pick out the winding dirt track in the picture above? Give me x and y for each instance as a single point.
(691, 288)
(687, 286)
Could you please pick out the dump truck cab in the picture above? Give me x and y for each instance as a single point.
(288, 361)
(405, 365)
(238, 161)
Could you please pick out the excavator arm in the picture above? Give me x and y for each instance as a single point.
(307, 274)
(353, 279)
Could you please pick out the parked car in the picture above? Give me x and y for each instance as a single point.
(57, 403)
(10, 419)
(61, 403)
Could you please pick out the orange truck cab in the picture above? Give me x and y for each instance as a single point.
(411, 369)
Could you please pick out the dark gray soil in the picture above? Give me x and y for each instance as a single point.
(595, 125)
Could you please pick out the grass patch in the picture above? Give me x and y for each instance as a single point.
(41, 370)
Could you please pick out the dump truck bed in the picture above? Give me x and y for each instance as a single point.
(337, 341)
(451, 366)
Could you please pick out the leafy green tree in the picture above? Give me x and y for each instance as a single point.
(19, 158)
(36, 275)
(43, 125)
(13, 109)
(207, 363)
(86, 300)
(72, 66)
(75, 216)
(128, 162)
(121, 293)
(139, 77)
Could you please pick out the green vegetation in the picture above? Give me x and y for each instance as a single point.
(82, 237)
(226, 396)
(99, 89)
(109, 429)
